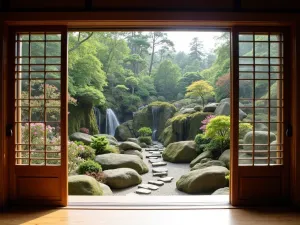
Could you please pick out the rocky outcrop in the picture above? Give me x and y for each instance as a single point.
(144, 117)
(84, 185)
(122, 178)
(134, 152)
(182, 127)
(115, 161)
(83, 137)
(224, 109)
(261, 138)
(211, 107)
(225, 158)
(203, 181)
(124, 131)
(180, 152)
(203, 155)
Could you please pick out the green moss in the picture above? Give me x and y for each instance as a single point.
(82, 116)
(163, 105)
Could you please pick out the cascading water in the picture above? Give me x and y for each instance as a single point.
(98, 118)
(154, 122)
(111, 122)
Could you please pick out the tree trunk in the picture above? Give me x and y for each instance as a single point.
(202, 101)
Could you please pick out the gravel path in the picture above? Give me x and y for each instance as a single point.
(175, 170)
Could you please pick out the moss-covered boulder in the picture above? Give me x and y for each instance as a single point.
(225, 157)
(122, 178)
(208, 164)
(261, 138)
(106, 189)
(125, 131)
(115, 161)
(83, 137)
(203, 181)
(180, 152)
(82, 116)
(203, 155)
(160, 112)
(182, 127)
(84, 185)
(134, 152)
(128, 145)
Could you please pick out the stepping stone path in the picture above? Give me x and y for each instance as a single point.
(156, 182)
(158, 155)
(159, 164)
(161, 174)
(154, 160)
(143, 191)
(148, 186)
(160, 170)
(166, 179)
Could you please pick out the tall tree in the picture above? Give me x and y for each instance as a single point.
(200, 89)
(158, 40)
(196, 49)
(165, 79)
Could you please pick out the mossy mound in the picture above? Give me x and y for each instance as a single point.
(125, 131)
(84, 185)
(182, 127)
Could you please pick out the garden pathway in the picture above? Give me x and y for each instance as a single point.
(175, 170)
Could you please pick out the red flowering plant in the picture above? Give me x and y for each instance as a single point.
(84, 130)
(206, 121)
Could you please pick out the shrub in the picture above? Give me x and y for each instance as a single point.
(99, 176)
(89, 166)
(217, 146)
(73, 156)
(111, 149)
(145, 131)
(206, 121)
(201, 142)
(99, 144)
(145, 139)
(87, 153)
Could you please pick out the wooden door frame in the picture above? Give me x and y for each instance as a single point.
(150, 20)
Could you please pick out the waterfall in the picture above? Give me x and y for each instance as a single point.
(154, 122)
(98, 118)
(111, 122)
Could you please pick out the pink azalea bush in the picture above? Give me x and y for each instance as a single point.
(206, 121)
(84, 130)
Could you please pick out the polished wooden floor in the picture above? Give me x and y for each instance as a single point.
(151, 217)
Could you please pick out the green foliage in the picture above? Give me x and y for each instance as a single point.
(187, 79)
(200, 89)
(217, 146)
(165, 79)
(112, 149)
(162, 105)
(145, 131)
(100, 144)
(73, 156)
(87, 153)
(132, 82)
(201, 142)
(145, 139)
(89, 166)
(227, 177)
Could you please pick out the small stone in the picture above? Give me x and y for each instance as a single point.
(152, 157)
(148, 186)
(159, 164)
(166, 179)
(154, 160)
(162, 174)
(160, 170)
(151, 149)
(143, 191)
(156, 182)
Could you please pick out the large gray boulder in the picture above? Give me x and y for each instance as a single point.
(180, 152)
(111, 139)
(225, 158)
(211, 107)
(186, 111)
(261, 138)
(208, 164)
(106, 189)
(203, 155)
(128, 145)
(84, 185)
(124, 131)
(203, 181)
(221, 191)
(122, 178)
(134, 152)
(224, 109)
(83, 137)
(115, 161)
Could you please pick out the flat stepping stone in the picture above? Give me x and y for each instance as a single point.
(148, 186)
(143, 191)
(156, 182)
(161, 174)
(159, 164)
(154, 160)
(151, 149)
(166, 179)
(152, 157)
(160, 170)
